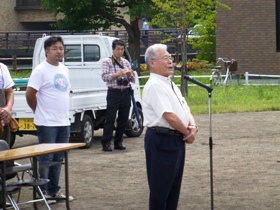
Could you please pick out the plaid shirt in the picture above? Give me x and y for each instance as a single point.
(108, 69)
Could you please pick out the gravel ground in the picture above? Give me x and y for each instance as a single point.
(246, 166)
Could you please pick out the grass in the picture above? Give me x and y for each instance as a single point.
(20, 74)
(232, 98)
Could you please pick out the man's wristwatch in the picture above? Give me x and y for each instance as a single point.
(193, 126)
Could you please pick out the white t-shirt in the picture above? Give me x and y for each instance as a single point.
(5, 77)
(145, 25)
(53, 86)
(158, 97)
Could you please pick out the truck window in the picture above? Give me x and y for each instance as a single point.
(91, 53)
(72, 53)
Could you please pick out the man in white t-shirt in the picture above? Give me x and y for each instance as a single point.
(47, 95)
(6, 101)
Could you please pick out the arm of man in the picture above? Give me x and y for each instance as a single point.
(120, 73)
(193, 130)
(177, 124)
(108, 75)
(31, 98)
(9, 94)
(5, 113)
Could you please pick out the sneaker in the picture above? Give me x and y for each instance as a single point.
(48, 196)
(61, 195)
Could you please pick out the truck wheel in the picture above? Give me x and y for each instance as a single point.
(134, 129)
(12, 139)
(86, 135)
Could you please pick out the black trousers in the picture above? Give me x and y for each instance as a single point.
(117, 101)
(165, 160)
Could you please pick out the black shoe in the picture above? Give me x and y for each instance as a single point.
(119, 146)
(107, 148)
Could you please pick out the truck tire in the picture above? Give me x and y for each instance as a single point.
(86, 135)
(133, 129)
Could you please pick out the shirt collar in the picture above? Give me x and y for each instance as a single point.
(121, 60)
(165, 79)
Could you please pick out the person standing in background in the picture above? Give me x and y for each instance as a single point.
(145, 36)
(117, 73)
(170, 125)
(47, 95)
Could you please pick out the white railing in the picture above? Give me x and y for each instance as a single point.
(267, 79)
(275, 79)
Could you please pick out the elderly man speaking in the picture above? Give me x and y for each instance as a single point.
(170, 125)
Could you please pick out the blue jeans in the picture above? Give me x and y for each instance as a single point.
(60, 134)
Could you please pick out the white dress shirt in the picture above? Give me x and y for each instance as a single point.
(159, 97)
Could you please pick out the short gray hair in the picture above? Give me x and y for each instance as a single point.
(151, 52)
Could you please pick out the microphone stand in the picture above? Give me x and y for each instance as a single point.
(209, 89)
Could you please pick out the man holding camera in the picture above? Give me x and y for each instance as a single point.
(117, 73)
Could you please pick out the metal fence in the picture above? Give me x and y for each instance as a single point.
(26, 39)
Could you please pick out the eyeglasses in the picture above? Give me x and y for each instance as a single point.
(165, 58)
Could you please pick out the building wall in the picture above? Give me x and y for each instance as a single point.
(8, 16)
(27, 20)
(247, 33)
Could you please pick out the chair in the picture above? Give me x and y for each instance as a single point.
(10, 190)
(21, 182)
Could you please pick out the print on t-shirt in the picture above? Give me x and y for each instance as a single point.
(60, 82)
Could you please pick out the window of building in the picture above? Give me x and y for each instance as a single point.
(28, 4)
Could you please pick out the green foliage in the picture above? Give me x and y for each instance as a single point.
(78, 15)
(206, 41)
(183, 15)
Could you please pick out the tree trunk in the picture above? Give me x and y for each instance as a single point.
(134, 42)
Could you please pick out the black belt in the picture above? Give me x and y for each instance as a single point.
(166, 131)
(118, 89)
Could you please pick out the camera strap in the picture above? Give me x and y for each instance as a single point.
(115, 61)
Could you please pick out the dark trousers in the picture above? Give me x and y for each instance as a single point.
(145, 38)
(117, 100)
(165, 159)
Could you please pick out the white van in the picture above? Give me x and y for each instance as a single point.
(83, 56)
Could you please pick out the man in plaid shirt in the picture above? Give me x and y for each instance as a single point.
(117, 73)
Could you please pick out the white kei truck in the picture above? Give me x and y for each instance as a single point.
(83, 57)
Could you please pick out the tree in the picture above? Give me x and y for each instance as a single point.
(184, 15)
(78, 15)
(205, 31)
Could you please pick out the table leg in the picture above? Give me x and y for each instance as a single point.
(66, 179)
(3, 183)
(35, 166)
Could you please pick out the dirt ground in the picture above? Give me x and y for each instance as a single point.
(246, 163)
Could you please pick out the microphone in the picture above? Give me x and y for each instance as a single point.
(209, 89)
